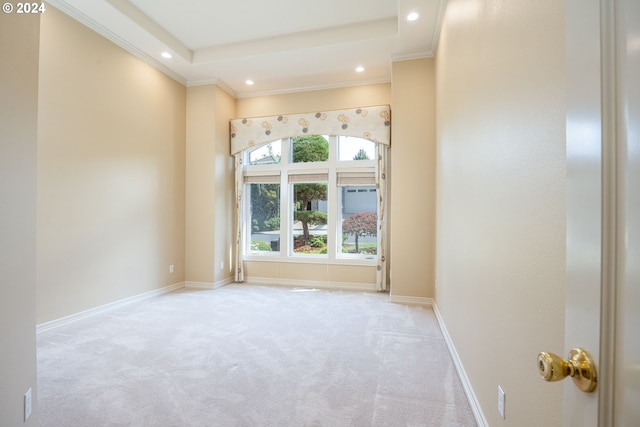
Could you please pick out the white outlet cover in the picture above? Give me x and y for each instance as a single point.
(501, 398)
(27, 404)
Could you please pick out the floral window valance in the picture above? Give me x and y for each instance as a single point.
(372, 123)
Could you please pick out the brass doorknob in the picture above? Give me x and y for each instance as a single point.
(580, 367)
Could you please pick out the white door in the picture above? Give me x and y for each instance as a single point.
(627, 373)
(603, 208)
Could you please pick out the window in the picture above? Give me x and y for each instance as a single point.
(351, 148)
(312, 148)
(264, 217)
(359, 218)
(269, 153)
(312, 197)
(309, 230)
(352, 167)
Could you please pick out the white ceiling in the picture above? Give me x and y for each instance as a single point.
(282, 45)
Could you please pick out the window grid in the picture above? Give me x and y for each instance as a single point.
(289, 173)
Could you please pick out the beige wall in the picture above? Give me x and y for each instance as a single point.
(134, 174)
(501, 199)
(318, 275)
(301, 102)
(225, 188)
(210, 187)
(318, 100)
(111, 172)
(18, 143)
(412, 189)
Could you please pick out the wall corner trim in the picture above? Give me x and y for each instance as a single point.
(208, 285)
(466, 384)
(399, 299)
(106, 307)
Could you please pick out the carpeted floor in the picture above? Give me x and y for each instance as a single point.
(247, 355)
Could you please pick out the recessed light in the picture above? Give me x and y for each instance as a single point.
(249, 82)
(413, 16)
(359, 69)
(166, 55)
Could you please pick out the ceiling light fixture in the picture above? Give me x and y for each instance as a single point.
(249, 82)
(166, 55)
(359, 69)
(413, 16)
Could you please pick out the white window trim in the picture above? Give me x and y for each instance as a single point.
(331, 167)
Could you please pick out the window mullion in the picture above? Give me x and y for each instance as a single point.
(332, 213)
(340, 176)
(246, 209)
(333, 149)
(286, 200)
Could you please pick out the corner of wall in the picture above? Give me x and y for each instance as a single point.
(209, 202)
(413, 173)
(19, 44)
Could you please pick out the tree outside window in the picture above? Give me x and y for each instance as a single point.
(361, 224)
(311, 148)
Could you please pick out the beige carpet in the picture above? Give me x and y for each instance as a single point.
(247, 355)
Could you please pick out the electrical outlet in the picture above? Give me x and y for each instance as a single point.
(27, 404)
(171, 268)
(221, 265)
(501, 402)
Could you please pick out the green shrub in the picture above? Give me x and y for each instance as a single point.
(316, 242)
(272, 223)
(259, 245)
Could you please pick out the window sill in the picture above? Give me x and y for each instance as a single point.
(368, 262)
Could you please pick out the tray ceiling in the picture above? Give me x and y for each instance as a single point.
(282, 45)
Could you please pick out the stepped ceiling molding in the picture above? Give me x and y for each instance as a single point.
(282, 45)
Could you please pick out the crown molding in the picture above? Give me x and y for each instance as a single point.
(143, 21)
(409, 56)
(309, 88)
(438, 28)
(203, 82)
(213, 81)
(111, 36)
(380, 28)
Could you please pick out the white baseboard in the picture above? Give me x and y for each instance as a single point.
(399, 299)
(104, 308)
(208, 285)
(466, 384)
(346, 286)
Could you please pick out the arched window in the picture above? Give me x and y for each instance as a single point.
(312, 195)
